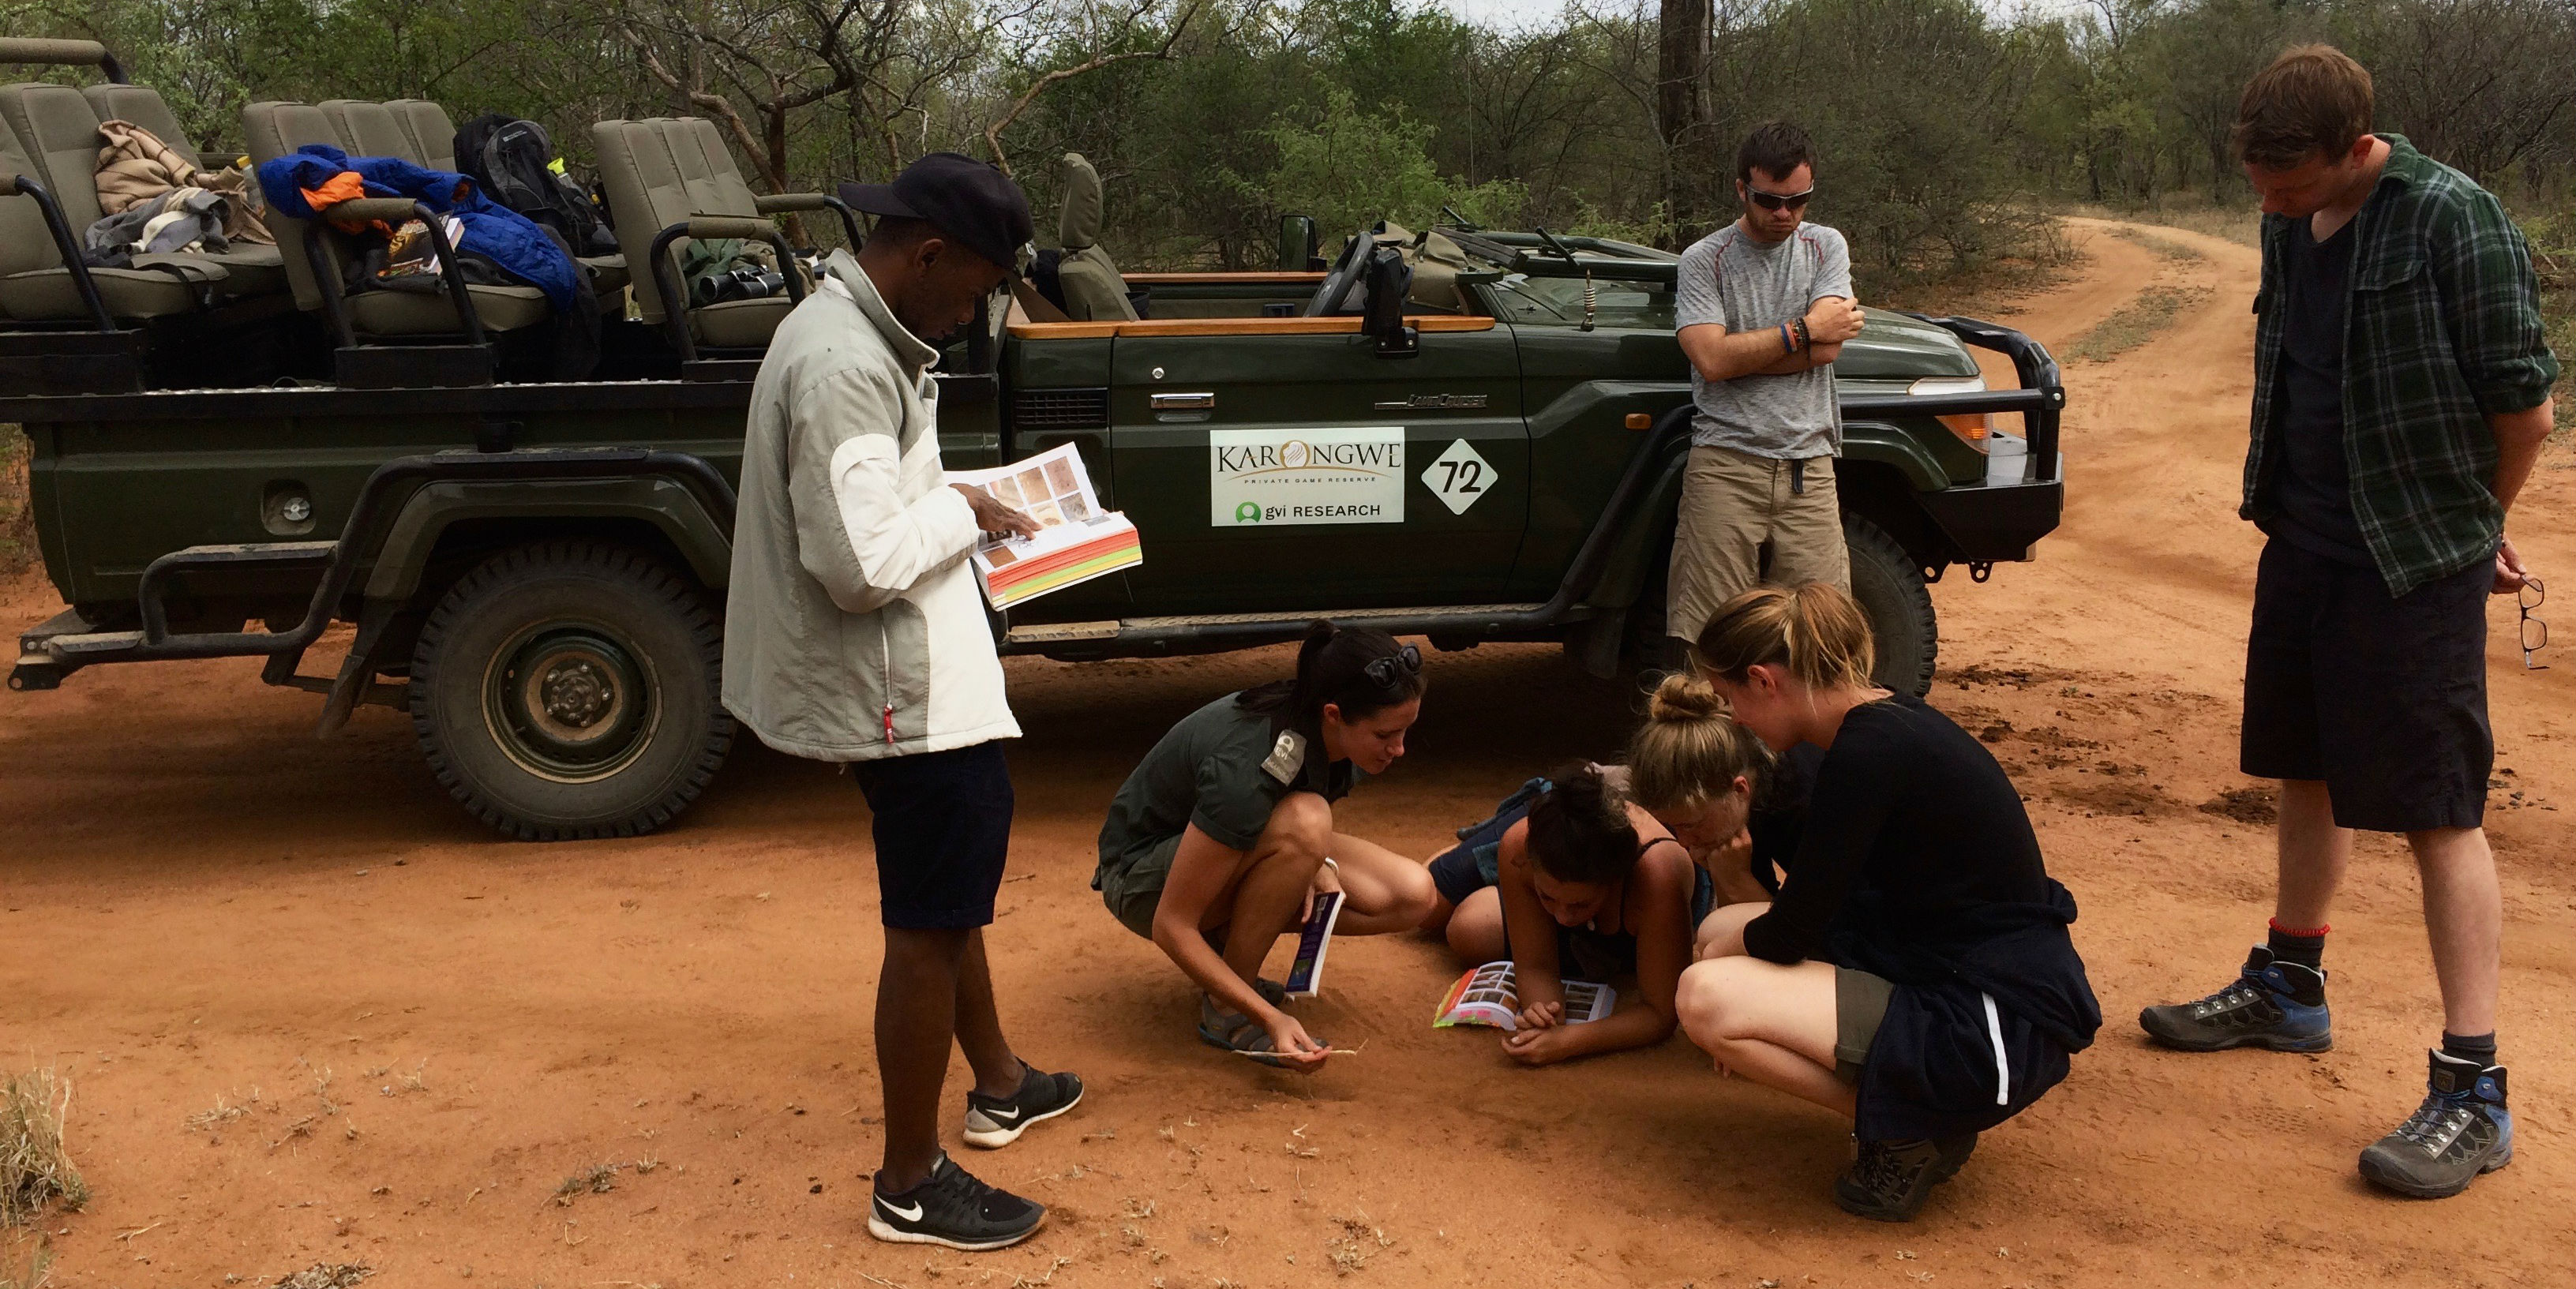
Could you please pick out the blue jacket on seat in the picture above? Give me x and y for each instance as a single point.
(492, 230)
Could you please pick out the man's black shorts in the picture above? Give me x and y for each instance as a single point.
(943, 830)
(2384, 699)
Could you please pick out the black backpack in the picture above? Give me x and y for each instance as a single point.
(509, 159)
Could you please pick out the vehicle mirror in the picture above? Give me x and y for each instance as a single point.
(1298, 242)
(1390, 284)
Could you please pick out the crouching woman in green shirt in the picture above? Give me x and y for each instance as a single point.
(1224, 833)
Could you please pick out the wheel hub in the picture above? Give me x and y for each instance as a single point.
(570, 702)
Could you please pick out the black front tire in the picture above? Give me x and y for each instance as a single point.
(570, 690)
(1889, 586)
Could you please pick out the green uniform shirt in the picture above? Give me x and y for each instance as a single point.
(2441, 329)
(1222, 768)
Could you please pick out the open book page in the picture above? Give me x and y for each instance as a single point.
(1487, 996)
(1077, 540)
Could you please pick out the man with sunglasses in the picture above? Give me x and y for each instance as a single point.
(1763, 305)
(2401, 395)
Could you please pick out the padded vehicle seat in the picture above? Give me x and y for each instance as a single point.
(660, 172)
(254, 269)
(1436, 260)
(429, 138)
(55, 133)
(1094, 290)
(373, 130)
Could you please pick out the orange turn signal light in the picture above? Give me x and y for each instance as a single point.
(1640, 421)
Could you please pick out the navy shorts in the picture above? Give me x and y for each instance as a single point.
(2384, 698)
(943, 831)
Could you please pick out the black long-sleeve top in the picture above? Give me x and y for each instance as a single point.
(1912, 836)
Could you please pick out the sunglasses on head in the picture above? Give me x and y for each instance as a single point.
(1777, 200)
(1387, 671)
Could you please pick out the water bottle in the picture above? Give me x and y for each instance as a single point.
(2007, 458)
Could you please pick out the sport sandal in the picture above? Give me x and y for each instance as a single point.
(1237, 1032)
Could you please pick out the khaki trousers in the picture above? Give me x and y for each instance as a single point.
(1732, 506)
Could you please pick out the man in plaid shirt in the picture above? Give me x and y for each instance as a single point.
(2401, 394)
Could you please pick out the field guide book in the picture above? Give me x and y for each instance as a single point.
(1306, 970)
(1076, 541)
(1486, 996)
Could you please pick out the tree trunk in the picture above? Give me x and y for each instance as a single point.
(1681, 117)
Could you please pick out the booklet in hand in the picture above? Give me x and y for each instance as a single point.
(1487, 996)
(1076, 541)
(1306, 971)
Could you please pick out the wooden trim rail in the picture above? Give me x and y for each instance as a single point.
(1233, 327)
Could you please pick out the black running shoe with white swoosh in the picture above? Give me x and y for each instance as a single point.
(954, 1210)
(995, 1122)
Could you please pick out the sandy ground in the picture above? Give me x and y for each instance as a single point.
(314, 1014)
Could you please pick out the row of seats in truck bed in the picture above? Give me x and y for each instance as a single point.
(664, 178)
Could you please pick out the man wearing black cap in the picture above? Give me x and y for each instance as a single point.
(855, 633)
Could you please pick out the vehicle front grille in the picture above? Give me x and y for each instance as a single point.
(1060, 409)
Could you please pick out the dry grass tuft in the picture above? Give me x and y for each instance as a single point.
(2165, 248)
(599, 1179)
(38, 1270)
(1359, 1240)
(34, 1169)
(324, 1275)
(2135, 323)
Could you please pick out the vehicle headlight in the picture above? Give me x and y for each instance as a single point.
(1973, 428)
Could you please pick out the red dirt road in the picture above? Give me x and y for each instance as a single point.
(425, 1031)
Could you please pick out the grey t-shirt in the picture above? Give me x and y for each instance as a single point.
(1742, 284)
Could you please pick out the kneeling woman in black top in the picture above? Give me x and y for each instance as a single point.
(1915, 971)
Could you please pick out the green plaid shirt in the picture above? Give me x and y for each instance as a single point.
(2441, 329)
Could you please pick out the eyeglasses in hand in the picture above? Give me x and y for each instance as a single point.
(1386, 672)
(2535, 633)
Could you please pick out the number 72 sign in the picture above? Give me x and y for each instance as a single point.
(1459, 477)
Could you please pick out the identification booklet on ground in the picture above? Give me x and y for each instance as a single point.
(1306, 972)
(1076, 542)
(1486, 996)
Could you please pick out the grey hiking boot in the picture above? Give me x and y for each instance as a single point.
(2279, 1005)
(1889, 1180)
(2461, 1131)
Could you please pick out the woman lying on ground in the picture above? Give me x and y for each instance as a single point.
(1224, 832)
(1569, 880)
(1693, 777)
(1915, 971)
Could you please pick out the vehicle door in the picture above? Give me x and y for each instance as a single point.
(1285, 466)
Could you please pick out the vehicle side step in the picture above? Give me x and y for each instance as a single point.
(38, 667)
(281, 554)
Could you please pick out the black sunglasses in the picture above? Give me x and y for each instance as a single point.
(1777, 200)
(1383, 672)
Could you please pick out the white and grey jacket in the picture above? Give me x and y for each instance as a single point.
(854, 628)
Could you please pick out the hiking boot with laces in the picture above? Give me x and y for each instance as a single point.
(1889, 1180)
(2279, 1005)
(953, 1209)
(2461, 1131)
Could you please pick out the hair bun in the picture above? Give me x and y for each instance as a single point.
(1684, 697)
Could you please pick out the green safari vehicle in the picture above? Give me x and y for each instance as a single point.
(1468, 436)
